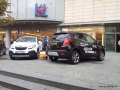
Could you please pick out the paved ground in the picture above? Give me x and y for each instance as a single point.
(91, 70)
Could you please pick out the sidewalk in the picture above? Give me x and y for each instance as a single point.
(106, 72)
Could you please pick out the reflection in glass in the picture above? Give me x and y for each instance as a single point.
(110, 29)
(117, 28)
(110, 42)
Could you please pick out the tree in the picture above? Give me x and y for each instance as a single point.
(5, 18)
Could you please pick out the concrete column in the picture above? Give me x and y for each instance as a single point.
(8, 38)
(59, 29)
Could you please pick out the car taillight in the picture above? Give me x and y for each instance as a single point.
(66, 42)
(62, 53)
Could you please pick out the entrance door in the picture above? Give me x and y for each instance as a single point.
(110, 42)
(117, 46)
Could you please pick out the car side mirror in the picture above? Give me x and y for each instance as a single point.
(96, 42)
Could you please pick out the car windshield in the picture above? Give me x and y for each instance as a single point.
(60, 36)
(26, 39)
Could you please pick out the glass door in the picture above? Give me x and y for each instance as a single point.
(110, 42)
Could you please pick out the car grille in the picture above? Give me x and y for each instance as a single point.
(20, 48)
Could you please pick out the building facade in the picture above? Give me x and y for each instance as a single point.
(98, 18)
(33, 17)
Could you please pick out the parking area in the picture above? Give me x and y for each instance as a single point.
(91, 70)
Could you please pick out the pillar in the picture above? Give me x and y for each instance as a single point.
(59, 29)
(8, 38)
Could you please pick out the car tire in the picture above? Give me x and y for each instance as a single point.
(37, 55)
(4, 51)
(12, 58)
(53, 58)
(74, 57)
(101, 55)
(1, 52)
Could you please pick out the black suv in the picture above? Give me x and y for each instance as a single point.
(74, 46)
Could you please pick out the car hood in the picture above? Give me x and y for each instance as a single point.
(25, 44)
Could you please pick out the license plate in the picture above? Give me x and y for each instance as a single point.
(53, 43)
(20, 52)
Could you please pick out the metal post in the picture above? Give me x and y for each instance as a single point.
(8, 38)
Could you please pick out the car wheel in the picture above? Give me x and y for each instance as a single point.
(101, 56)
(12, 58)
(74, 57)
(37, 55)
(1, 52)
(53, 58)
(4, 53)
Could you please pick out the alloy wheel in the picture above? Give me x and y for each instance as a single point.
(102, 56)
(74, 57)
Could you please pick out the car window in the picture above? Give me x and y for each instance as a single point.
(81, 36)
(76, 36)
(89, 38)
(60, 36)
(26, 39)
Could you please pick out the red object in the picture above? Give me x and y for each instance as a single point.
(41, 10)
(66, 42)
(62, 53)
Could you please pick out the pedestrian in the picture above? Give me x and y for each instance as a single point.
(118, 45)
(45, 43)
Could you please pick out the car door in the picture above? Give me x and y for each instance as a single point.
(90, 48)
(81, 43)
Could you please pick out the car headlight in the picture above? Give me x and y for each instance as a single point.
(11, 47)
(32, 46)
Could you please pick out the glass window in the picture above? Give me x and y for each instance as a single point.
(110, 29)
(81, 36)
(110, 42)
(89, 38)
(117, 28)
(76, 36)
(26, 39)
(60, 36)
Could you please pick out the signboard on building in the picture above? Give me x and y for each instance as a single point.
(38, 31)
(18, 31)
(40, 11)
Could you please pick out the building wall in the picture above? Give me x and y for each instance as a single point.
(91, 10)
(25, 9)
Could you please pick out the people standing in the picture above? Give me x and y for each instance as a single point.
(45, 43)
(119, 45)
